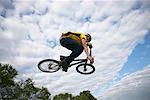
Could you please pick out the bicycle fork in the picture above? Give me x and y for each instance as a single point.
(85, 69)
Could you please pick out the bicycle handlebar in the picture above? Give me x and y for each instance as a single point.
(90, 52)
(90, 46)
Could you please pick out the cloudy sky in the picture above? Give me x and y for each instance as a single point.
(30, 31)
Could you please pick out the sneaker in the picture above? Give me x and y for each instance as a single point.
(64, 65)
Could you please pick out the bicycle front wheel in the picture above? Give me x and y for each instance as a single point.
(85, 68)
(49, 65)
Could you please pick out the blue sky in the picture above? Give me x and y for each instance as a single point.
(138, 60)
(30, 31)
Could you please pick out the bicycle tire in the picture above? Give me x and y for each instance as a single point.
(53, 62)
(84, 72)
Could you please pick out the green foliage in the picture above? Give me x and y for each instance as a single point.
(22, 90)
(7, 73)
(85, 95)
(44, 94)
(27, 88)
(64, 96)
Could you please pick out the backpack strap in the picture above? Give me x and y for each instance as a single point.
(68, 33)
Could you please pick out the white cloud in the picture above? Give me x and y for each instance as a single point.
(115, 27)
(132, 87)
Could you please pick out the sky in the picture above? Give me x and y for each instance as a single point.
(120, 29)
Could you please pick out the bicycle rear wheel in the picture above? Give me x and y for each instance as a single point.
(49, 65)
(85, 68)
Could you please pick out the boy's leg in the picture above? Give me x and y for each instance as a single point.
(74, 46)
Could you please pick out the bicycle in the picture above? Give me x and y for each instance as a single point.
(52, 65)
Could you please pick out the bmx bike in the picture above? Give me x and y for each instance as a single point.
(52, 65)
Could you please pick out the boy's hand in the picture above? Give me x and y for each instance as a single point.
(91, 59)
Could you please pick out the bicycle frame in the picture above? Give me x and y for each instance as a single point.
(78, 62)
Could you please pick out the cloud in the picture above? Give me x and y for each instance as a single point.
(6, 4)
(132, 87)
(31, 31)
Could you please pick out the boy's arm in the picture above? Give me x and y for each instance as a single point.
(85, 46)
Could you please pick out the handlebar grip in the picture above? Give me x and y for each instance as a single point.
(90, 45)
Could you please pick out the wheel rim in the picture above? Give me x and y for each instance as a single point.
(48, 66)
(85, 70)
